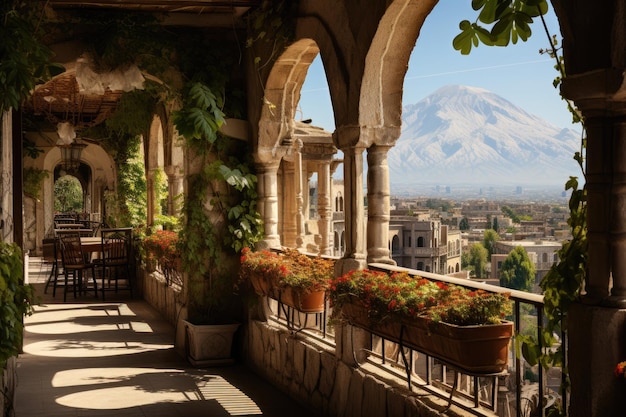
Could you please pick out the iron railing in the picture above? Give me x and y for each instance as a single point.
(525, 390)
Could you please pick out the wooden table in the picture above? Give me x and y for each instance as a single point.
(91, 244)
(70, 225)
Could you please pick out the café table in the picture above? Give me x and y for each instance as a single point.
(91, 244)
(69, 226)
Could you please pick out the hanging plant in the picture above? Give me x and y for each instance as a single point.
(25, 58)
(33, 178)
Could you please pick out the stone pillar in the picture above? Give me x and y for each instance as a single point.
(289, 215)
(354, 255)
(599, 97)
(617, 226)
(324, 207)
(175, 187)
(299, 216)
(150, 200)
(268, 202)
(596, 341)
(598, 208)
(378, 205)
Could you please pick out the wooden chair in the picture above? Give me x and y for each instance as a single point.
(114, 263)
(51, 256)
(74, 263)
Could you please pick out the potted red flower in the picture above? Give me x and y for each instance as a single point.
(291, 277)
(462, 327)
(161, 247)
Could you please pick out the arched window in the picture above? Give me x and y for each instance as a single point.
(395, 244)
(544, 257)
(420, 242)
(420, 266)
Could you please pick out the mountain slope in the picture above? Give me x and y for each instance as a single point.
(468, 135)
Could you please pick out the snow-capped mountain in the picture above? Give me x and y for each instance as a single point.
(468, 135)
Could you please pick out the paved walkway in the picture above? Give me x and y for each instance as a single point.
(88, 358)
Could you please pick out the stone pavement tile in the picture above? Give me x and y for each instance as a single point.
(94, 359)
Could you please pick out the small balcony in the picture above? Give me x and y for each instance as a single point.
(390, 367)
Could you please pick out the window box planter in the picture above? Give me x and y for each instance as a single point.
(475, 349)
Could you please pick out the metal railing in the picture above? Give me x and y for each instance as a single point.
(525, 390)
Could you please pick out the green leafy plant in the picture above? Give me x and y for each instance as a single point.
(498, 23)
(33, 177)
(68, 194)
(16, 300)
(219, 214)
(400, 296)
(563, 283)
(25, 58)
(289, 268)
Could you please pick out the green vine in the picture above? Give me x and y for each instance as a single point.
(220, 216)
(271, 28)
(562, 284)
(25, 59)
(33, 177)
(16, 301)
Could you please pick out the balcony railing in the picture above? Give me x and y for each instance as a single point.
(521, 388)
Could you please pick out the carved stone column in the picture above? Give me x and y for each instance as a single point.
(175, 187)
(354, 255)
(596, 95)
(378, 205)
(617, 226)
(289, 213)
(324, 207)
(268, 202)
(596, 341)
(151, 203)
(297, 147)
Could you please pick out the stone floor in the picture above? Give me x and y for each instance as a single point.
(86, 357)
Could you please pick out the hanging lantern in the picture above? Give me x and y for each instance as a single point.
(70, 155)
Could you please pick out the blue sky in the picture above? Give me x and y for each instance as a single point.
(518, 72)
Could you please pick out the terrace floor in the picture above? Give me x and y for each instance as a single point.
(90, 358)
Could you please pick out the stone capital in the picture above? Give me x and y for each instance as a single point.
(597, 93)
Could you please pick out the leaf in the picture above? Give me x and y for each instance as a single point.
(488, 13)
(478, 4)
(463, 41)
(531, 353)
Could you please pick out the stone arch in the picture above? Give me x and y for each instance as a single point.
(281, 96)
(103, 176)
(380, 104)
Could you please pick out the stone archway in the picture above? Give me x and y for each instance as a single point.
(98, 174)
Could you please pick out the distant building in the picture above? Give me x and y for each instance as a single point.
(542, 253)
(426, 245)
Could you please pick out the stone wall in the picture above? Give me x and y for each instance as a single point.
(316, 376)
(166, 300)
(319, 375)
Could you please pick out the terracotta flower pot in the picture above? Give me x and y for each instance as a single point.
(312, 302)
(261, 283)
(476, 349)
